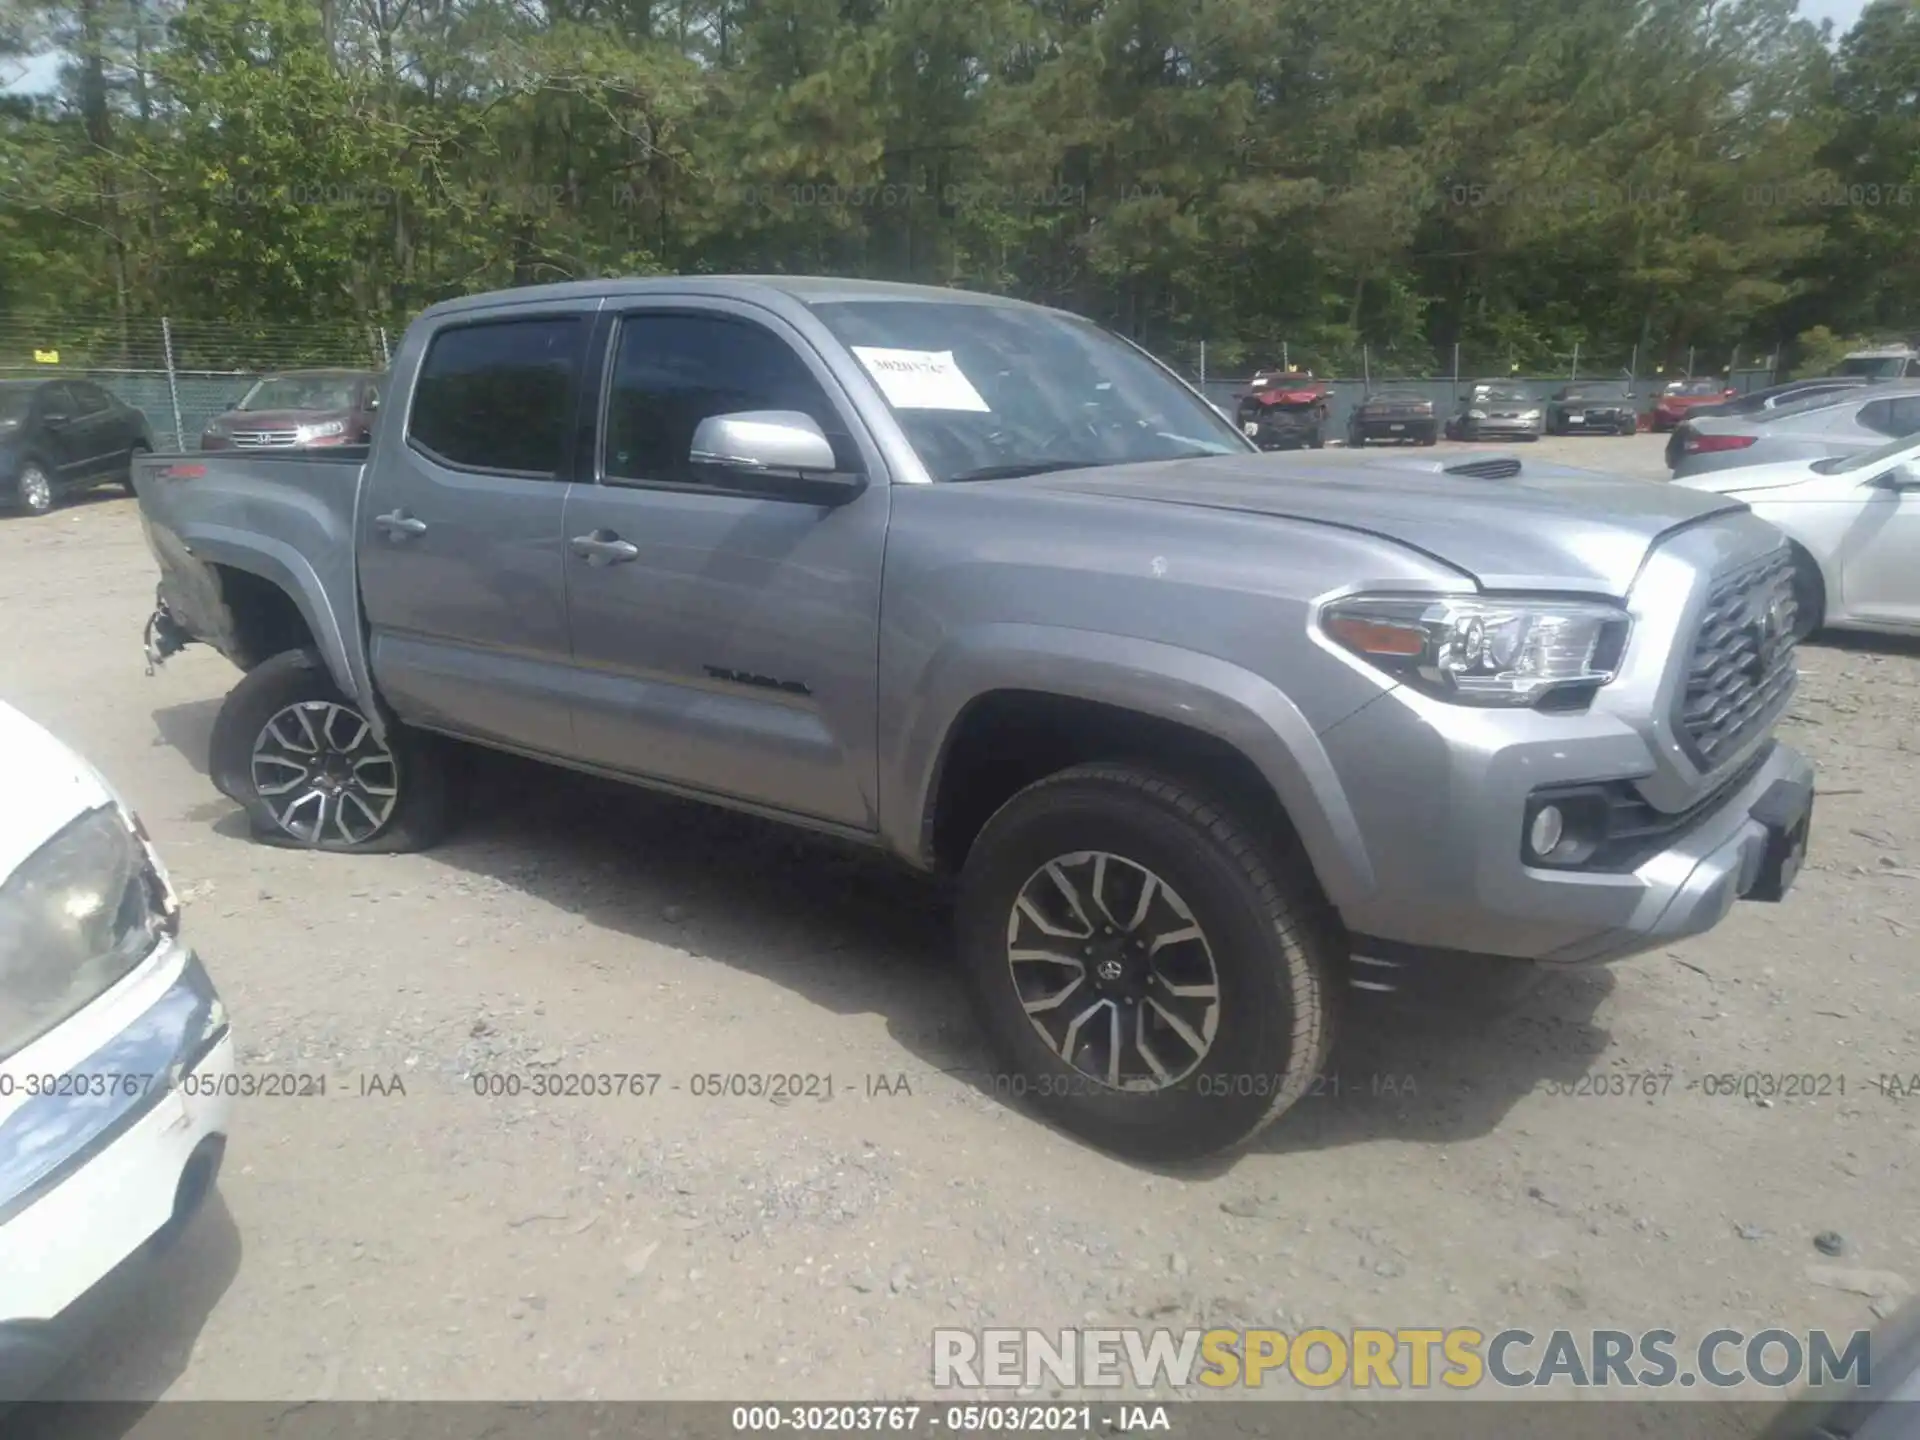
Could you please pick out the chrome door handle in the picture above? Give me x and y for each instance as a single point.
(603, 547)
(400, 525)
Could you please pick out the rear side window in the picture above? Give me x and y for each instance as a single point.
(90, 398)
(1897, 417)
(499, 395)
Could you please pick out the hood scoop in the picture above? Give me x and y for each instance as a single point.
(1497, 467)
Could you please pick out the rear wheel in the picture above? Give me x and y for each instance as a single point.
(304, 762)
(1154, 978)
(1809, 592)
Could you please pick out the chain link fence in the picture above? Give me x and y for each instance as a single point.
(1447, 385)
(181, 373)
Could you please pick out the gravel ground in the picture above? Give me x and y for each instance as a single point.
(406, 1237)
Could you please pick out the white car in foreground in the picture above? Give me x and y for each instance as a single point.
(116, 1061)
(1855, 524)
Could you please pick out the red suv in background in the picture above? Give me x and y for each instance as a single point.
(297, 409)
(1680, 398)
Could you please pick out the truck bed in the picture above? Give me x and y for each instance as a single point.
(219, 522)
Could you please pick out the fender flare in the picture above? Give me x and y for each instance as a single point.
(283, 566)
(1183, 687)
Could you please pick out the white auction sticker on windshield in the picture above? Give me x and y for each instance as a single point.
(920, 379)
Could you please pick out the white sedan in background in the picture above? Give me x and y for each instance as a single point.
(116, 1060)
(1855, 525)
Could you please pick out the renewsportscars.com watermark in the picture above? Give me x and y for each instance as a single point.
(1370, 1359)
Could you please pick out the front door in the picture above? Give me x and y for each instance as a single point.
(733, 651)
(461, 530)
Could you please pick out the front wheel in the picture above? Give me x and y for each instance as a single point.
(304, 762)
(1154, 978)
(36, 488)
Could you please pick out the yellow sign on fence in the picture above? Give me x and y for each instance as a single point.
(46, 357)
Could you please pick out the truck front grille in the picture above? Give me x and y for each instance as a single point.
(265, 439)
(1741, 671)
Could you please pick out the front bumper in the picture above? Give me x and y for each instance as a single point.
(1596, 422)
(1498, 429)
(122, 1135)
(1468, 775)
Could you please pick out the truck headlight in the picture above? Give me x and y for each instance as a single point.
(76, 916)
(324, 431)
(1529, 414)
(1483, 649)
(1476, 414)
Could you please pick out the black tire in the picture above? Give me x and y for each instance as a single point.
(33, 499)
(1432, 438)
(1809, 592)
(1356, 441)
(421, 810)
(1318, 440)
(1270, 935)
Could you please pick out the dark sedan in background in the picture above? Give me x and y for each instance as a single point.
(1496, 410)
(1793, 392)
(62, 436)
(1593, 407)
(1396, 415)
(299, 409)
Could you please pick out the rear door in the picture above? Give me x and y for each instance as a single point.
(63, 438)
(460, 530)
(108, 427)
(734, 651)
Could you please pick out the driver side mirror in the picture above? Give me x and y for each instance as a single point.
(373, 403)
(781, 452)
(55, 419)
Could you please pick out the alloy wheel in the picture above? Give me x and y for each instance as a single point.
(36, 490)
(1115, 974)
(322, 773)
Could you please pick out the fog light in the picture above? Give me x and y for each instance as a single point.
(1544, 835)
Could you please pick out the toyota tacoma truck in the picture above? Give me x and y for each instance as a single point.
(1202, 736)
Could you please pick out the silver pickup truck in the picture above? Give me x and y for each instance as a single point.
(1206, 736)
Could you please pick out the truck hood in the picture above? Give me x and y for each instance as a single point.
(1543, 527)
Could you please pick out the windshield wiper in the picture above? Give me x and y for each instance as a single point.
(1014, 472)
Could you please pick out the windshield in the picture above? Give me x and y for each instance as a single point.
(1695, 387)
(1395, 397)
(1500, 394)
(301, 392)
(14, 402)
(985, 391)
(1877, 367)
(1595, 392)
(1868, 459)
